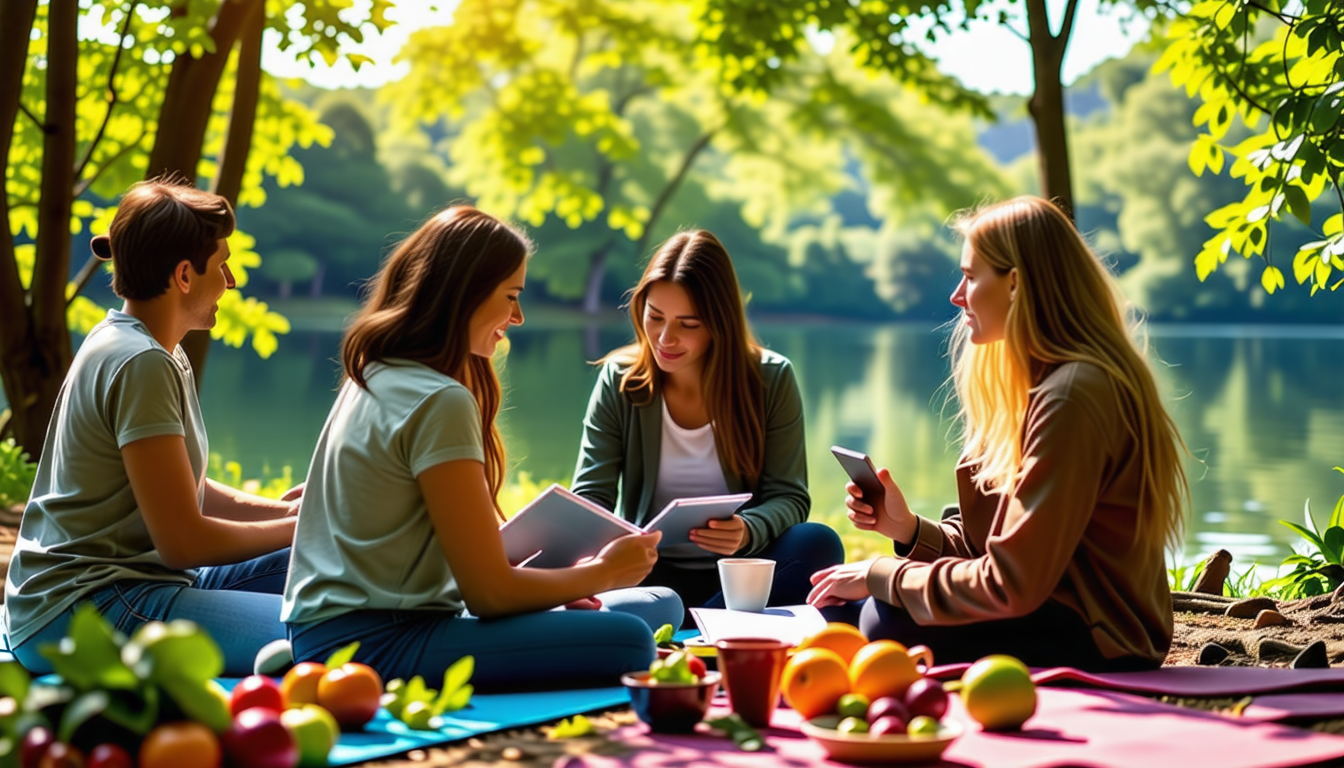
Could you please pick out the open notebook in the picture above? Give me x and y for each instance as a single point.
(559, 528)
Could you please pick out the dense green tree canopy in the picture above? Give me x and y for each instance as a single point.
(1277, 69)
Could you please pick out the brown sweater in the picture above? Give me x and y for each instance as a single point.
(1066, 534)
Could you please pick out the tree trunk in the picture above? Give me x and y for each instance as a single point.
(50, 351)
(1047, 102)
(242, 116)
(18, 370)
(597, 272)
(187, 100)
(186, 110)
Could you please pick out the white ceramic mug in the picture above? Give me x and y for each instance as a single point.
(746, 582)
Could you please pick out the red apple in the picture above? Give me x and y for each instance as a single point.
(926, 697)
(110, 756)
(257, 739)
(61, 755)
(888, 705)
(256, 691)
(34, 745)
(887, 725)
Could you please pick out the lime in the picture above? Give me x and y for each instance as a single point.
(922, 726)
(853, 725)
(852, 705)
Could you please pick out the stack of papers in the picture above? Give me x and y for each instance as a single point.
(789, 623)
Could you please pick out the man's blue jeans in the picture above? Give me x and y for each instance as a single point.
(239, 605)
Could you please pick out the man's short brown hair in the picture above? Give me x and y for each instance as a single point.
(158, 224)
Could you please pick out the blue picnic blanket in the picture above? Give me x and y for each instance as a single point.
(487, 713)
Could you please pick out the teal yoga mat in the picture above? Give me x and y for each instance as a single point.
(386, 736)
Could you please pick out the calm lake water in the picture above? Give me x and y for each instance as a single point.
(1259, 408)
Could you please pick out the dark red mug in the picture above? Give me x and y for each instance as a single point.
(752, 667)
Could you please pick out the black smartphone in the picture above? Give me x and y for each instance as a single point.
(860, 469)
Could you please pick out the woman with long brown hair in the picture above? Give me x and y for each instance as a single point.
(696, 407)
(1070, 481)
(398, 543)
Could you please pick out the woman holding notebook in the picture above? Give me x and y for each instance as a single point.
(397, 544)
(695, 407)
(1070, 480)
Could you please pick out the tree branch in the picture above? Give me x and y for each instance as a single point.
(83, 185)
(41, 126)
(1066, 28)
(671, 187)
(111, 91)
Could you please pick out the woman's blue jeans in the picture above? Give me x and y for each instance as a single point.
(546, 649)
(239, 605)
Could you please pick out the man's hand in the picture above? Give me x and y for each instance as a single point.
(722, 537)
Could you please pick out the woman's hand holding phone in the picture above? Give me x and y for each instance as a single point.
(893, 519)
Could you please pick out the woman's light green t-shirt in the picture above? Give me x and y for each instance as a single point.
(364, 538)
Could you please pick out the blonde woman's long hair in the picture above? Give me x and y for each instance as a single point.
(1067, 308)
(420, 306)
(733, 390)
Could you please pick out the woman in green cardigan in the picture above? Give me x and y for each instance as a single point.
(696, 407)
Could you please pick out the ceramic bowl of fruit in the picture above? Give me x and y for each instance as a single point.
(674, 694)
(905, 729)
(925, 745)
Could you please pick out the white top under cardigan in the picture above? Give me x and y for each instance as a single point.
(688, 466)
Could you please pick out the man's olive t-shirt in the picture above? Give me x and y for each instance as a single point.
(82, 528)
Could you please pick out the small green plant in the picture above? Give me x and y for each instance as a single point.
(17, 474)
(1182, 578)
(1314, 572)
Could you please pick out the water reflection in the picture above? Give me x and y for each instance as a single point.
(1258, 412)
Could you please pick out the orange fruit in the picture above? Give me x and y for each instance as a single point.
(882, 668)
(300, 683)
(813, 681)
(180, 745)
(844, 639)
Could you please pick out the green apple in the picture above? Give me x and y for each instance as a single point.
(315, 732)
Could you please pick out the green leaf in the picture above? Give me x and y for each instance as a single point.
(456, 692)
(14, 680)
(1271, 279)
(573, 727)
(1304, 533)
(89, 656)
(81, 710)
(342, 655)
(1298, 203)
(1334, 545)
(204, 701)
(176, 650)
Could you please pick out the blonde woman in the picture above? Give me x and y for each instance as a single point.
(1070, 482)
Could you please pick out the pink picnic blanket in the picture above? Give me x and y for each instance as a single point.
(1071, 727)
(1194, 682)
